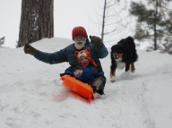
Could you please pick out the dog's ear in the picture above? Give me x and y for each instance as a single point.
(113, 47)
(130, 39)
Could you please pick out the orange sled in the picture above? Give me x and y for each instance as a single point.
(77, 86)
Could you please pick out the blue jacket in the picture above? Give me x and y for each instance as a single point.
(67, 55)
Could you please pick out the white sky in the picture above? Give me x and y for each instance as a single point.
(67, 14)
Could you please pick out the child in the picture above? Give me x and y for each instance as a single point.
(87, 71)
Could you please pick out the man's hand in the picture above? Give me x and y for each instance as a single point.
(97, 41)
(28, 49)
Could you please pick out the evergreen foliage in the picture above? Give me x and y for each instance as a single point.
(152, 17)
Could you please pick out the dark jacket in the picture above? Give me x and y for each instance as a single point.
(67, 55)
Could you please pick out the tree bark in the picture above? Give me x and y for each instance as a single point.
(37, 21)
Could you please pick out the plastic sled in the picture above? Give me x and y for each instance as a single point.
(78, 87)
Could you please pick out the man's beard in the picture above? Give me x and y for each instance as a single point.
(80, 44)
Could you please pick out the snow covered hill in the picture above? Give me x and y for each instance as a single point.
(31, 94)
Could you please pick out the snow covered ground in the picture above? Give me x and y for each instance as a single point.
(32, 96)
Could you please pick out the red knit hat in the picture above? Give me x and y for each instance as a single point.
(79, 31)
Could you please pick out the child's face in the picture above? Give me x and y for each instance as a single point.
(84, 61)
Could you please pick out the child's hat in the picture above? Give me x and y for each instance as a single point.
(85, 53)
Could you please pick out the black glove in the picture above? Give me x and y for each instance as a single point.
(97, 41)
(99, 84)
(28, 49)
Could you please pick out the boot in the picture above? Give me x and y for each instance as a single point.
(99, 84)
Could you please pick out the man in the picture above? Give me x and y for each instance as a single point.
(67, 54)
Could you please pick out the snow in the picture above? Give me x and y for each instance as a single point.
(32, 95)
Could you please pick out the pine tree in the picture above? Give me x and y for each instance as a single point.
(154, 22)
(37, 21)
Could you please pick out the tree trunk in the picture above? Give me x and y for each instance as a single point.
(37, 21)
(155, 24)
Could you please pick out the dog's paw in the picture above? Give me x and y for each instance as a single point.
(112, 79)
(132, 71)
(132, 68)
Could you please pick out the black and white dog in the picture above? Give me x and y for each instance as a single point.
(123, 54)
